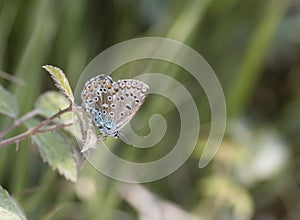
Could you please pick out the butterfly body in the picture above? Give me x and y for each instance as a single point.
(111, 104)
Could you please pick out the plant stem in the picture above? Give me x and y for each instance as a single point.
(56, 127)
(18, 122)
(33, 130)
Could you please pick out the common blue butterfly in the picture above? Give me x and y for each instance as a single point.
(111, 104)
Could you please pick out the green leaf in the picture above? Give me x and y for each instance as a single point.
(8, 103)
(9, 209)
(61, 81)
(50, 103)
(55, 151)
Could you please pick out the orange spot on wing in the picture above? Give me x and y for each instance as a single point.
(90, 88)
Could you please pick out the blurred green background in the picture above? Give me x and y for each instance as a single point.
(254, 48)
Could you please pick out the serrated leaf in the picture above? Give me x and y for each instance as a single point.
(8, 103)
(9, 209)
(54, 150)
(50, 103)
(61, 81)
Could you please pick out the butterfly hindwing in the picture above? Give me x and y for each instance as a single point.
(130, 95)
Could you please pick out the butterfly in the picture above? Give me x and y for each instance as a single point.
(111, 105)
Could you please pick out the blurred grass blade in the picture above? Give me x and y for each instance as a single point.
(9, 209)
(53, 149)
(61, 81)
(184, 27)
(7, 18)
(249, 70)
(8, 103)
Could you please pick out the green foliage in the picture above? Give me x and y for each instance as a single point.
(55, 151)
(254, 58)
(51, 102)
(52, 146)
(9, 209)
(61, 81)
(253, 46)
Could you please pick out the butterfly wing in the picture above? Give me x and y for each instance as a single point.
(97, 97)
(117, 101)
(129, 95)
(98, 93)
